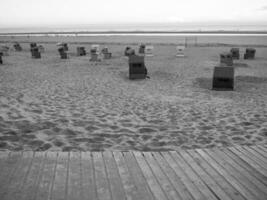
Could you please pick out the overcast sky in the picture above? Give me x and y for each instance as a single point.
(19, 13)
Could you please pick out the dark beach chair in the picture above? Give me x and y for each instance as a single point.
(235, 53)
(142, 48)
(17, 47)
(35, 52)
(137, 69)
(1, 60)
(223, 78)
(226, 58)
(62, 53)
(81, 51)
(250, 53)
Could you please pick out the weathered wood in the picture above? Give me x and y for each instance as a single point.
(248, 160)
(14, 190)
(205, 177)
(220, 180)
(184, 178)
(30, 185)
(88, 176)
(150, 177)
(75, 177)
(236, 174)
(130, 188)
(116, 186)
(138, 176)
(226, 174)
(246, 166)
(256, 186)
(46, 182)
(102, 184)
(60, 186)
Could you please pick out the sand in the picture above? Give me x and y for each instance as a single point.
(74, 104)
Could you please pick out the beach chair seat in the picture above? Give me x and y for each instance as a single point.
(129, 51)
(223, 78)
(81, 51)
(137, 69)
(226, 58)
(63, 45)
(180, 51)
(235, 53)
(149, 50)
(17, 47)
(104, 50)
(94, 57)
(35, 52)
(142, 48)
(62, 53)
(95, 48)
(250, 53)
(107, 55)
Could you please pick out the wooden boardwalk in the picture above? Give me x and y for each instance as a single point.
(236, 173)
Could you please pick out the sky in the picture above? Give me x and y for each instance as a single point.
(24, 13)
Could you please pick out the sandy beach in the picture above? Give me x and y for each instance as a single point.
(75, 104)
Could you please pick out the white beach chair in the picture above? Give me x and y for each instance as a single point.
(180, 51)
(95, 48)
(149, 50)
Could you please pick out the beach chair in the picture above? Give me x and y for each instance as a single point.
(94, 57)
(41, 48)
(226, 59)
(129, 51)
(62, 53)
(250, 53)
(235, 53)
(1, 60)
(223, 78)
(17, 46)
(142, 48)
(149, 50)
(137, 69)
(35, 52)
(63, 45)
(81, 51)
(95, 48)
(4, 49)
(180, 51)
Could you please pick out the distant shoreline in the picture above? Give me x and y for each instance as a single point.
(133, 32)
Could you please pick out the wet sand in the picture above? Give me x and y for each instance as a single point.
(75, 104)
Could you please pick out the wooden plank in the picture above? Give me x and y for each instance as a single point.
(130, 188)
(29, 187)
(246, 166)
(75, 177)
(156, 188)
(138, 176)
(183, 176)
(162, 178)
(102, 184)
(18, 179)
(45, 185)
(260, 150)
(260, 159)
(88, 176)
(226, 174)
(228, 165)
(249, 174)
(193, 176)
(248, 160)
(205, 177)
(60, 186)
(173, 178)
(8, 168)
(217, 177)
(116, 186)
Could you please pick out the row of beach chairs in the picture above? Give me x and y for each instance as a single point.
(223, 75)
